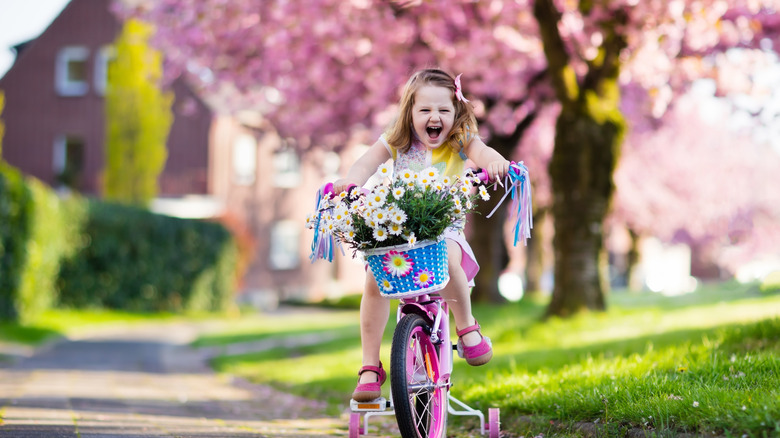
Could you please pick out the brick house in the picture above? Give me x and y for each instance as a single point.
(219, 164)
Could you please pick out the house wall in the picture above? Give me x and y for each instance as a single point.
(36, 115)
(263, 204)
(186, 169)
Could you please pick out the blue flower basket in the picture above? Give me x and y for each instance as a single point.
(402, 272)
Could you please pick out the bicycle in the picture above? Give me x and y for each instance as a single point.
(420, 376)
(421, 358)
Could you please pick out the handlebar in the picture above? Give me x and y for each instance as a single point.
(327, 190)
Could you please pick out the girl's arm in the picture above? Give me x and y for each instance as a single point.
(364, 167)
(487, 158)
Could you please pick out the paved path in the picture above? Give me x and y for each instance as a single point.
(145, 382)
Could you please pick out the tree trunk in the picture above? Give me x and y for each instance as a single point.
(487, 241)
(633, 277)
(588, 134)
(586, 151)
(534, 257)
(487, 236)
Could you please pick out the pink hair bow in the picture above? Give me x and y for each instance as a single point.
(459, 90)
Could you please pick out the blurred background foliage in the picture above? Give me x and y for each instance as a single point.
(83, 253)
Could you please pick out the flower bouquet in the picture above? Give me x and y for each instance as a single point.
(398, 226)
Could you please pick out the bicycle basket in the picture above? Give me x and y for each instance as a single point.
(402, 272)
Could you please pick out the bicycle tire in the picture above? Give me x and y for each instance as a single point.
(420, 399)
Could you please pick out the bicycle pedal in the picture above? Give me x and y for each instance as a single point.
(378, 404)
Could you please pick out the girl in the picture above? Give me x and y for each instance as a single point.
(436, 127)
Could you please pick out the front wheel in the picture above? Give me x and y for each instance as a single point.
(420, 398)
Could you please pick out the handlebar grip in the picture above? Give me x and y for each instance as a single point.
(485, 177)
(328, 189)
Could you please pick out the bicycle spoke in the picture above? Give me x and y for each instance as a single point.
(420, 414)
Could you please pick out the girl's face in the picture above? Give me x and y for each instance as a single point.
(433, 115)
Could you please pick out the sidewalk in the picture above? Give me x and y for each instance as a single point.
(145, 382)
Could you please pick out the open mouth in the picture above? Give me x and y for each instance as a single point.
(433, 132)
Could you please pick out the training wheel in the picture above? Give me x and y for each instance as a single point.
(354, 425)
(494, 423)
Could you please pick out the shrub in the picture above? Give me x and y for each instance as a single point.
(135, 260)
(15, 205)
(37, 231)
(86, 253)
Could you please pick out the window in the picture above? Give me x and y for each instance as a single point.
(104, 56)
(69, 161)
(287, 168)
(284, 245)
(71, 71)
(244, 159)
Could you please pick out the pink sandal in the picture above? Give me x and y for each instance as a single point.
(475, 355)
(365, 392)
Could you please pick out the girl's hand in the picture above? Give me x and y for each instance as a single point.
(341, 185)
(497, 169)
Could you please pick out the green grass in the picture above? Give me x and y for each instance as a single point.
(699, 363)
(282, 324)
(62, 322)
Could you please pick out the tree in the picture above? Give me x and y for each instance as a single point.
(138, 116)
(590, 49)
(712, 194)
(321, 68)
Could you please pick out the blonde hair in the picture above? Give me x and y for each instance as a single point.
(401, 132)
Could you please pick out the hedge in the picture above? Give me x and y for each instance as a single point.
(135, 260)
(78, 252)
(15, 205)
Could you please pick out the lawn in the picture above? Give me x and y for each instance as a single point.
(702, 363)
(55, 323)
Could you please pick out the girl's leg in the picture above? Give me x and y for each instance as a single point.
(374, 312)
(457, 295)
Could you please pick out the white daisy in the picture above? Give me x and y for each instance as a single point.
(412, 239)
(385, 170)
(430, 172)
(407, 175)
(395, 229)
(398, 217)
(380, 234)
(324, 204)
(381, 216)
(484, 193)
(376, 199)
(398, 192)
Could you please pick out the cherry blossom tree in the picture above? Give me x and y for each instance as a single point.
(320, 68)
(696, 178)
